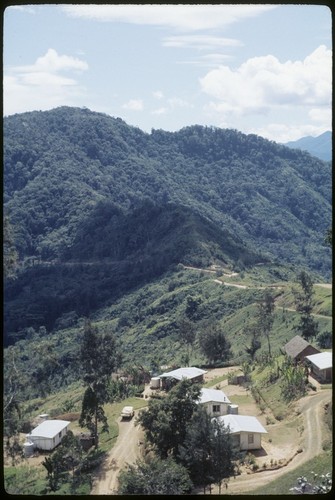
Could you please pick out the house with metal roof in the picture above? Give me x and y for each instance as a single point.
(298, 348)
(190, 372)
(214, 401)
(48, 434)
(246, 432)
(321, 365)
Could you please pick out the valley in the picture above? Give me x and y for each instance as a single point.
(166, 244)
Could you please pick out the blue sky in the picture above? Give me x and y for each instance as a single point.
(264, 69)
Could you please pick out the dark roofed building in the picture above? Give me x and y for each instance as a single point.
(298, 348)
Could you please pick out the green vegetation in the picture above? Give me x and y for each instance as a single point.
(281, 486)
(80, 187)
(177, 427)
(155, 477)
(152, 315)
(106, 222)
(99, 359)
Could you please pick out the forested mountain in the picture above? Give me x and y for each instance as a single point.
(59, 164)
(105, 207)
(320, 146)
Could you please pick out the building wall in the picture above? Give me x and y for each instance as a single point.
(308, 351)
(209, 408)
(245, 441)
(325, 375)
(44, 443)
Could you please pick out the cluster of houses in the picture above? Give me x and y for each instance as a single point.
(246, 431)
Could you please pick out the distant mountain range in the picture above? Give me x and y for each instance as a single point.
(320, 146)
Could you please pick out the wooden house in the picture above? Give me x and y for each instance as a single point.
(298, 348)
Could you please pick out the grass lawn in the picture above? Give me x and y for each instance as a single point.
(215, 381)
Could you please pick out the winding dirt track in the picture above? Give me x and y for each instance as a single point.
(311, 408)
(125, 451)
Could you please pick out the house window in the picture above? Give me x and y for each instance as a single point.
(60, 434)
(250, 439)
(216, 408)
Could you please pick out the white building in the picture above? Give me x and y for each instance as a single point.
(190, 372)
(215, 402)
(322, 366)
(246, 431)
(48, 434)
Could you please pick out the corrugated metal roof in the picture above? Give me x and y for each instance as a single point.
(322, 360)
(49, 428)
(180, 373)
(215, 395)
(242, 423)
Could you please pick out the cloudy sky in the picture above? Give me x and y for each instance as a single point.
(264, 69)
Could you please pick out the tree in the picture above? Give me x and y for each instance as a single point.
(10, 256)
(303, 298)
(325, 339)
(265, 316)
(66, 457)
(99, 358)
(192, 307)
(187, 335)
(166, 420)
(329, 237)
(195, 452)
(14, 382)
(213, 343)
(222, 453)
(207, 451)
(253, 330)
(154, 477)
(294, 379)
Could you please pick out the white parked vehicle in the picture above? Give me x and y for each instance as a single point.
(127, 412)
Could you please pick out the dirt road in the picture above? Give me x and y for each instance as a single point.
(126, 451)
(311, 408)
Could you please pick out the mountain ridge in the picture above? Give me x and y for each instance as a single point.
(320, 146)
(59, 164)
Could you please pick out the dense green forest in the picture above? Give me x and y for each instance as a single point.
(103, 218)
(59, 164)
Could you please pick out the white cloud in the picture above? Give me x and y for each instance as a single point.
(160, 111)
(262, 83)
(158, 94)
(41, 85)
(170, 105)
(176, 102)
(53, 63)
(200, 42)
(182, 17)
(322, 115)
(134, 105)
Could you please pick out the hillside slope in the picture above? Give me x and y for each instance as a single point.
(59, 164)
(114, 252)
